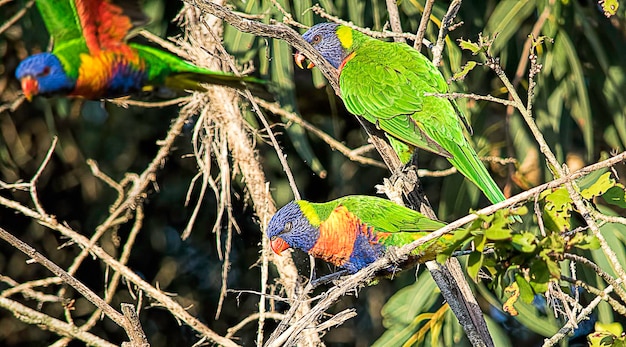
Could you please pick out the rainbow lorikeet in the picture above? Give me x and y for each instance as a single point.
(92, 59)
(353, 231)
(385, 83)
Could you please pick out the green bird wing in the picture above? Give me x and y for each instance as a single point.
(385, 83)
(386, 216)
(63, 25)
(396, 225)
(87, 26)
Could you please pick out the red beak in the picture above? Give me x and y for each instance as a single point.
(299, 58)
(30, 87)
(278, 245)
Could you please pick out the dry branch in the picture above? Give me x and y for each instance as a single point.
(30, 316)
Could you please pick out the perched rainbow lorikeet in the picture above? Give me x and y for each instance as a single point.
(92, 59)
(385, 83)
(353, 231)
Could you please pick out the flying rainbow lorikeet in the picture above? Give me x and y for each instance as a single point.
(92, 59)
(385, 83)
(353, 231)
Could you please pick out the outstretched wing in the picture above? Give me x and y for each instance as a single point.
(105, 24)
(87, 27)
(93, 24)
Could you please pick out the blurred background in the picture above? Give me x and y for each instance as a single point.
(579, 105)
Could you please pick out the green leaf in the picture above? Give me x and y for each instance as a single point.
(613, 328)
(479, 242)
(539, 276)
(609, 7)
(557, 210)
(470, 46)
(616, 196)
(498, 232)
(524, 242)
(582, 241)
(474, 263)
(466, 69)
(599, 187)
(526, 291)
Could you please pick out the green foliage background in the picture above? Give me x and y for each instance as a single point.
(580, 106)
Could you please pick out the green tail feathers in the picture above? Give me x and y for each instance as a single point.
(194, 80)
(472, 168)
(175, 73)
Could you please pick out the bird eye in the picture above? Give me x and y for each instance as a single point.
(45, 72)
(317, 39)
(287, 227)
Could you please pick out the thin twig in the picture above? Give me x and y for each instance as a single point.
(33, 181)
(421, 30)
(394, 19)
(474, 97)
(570, 324)
(446, 22)
(334, 144)
(616, 305)
(598, 270)
(19, 14)
(125, 102)
(251, 318)
(373, 33)
(26, 290)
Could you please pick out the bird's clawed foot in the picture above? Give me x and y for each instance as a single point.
(395, 257)
(405, 178)
(328, 278)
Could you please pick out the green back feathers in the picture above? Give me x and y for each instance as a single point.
(389, 94)
(383, 214)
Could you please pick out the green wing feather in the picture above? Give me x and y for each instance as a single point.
(387, 216)
(64, 28)
(402, 224)
(395, 225)
(385, 83)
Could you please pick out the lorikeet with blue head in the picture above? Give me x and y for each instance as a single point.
(91, 58)
(353, 231)
(385, 83)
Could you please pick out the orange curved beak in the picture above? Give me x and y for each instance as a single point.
(30, 87)
(278, 245)
(299, 58)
